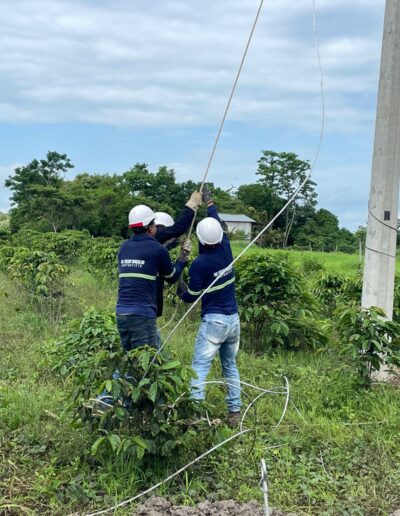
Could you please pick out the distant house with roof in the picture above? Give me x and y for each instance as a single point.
(238, 222)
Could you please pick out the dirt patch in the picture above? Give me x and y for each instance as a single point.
(161, 507)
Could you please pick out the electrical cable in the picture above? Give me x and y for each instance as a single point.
(172, 318)
(152, 488)
(380, 220)
(380, 252)
(289, 202)
(282, 210)
(200, 457)
(227, 109)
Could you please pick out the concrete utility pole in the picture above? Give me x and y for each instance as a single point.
(380, 249)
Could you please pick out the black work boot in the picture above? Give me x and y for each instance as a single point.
(233, 419)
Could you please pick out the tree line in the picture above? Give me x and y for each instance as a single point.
(43, 199)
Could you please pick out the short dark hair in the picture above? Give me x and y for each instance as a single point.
(142, 229)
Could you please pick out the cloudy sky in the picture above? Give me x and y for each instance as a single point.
(115, 82)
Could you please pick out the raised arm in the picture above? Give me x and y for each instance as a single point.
(211, 208)
(182, 223)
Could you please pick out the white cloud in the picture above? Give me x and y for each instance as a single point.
(172, 63)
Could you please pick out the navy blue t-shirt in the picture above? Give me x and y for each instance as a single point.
(170, 234)
(141, 259)
(211, 263)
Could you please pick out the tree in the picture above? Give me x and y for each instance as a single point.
(4, 225)
(322, 232)
(259, 197)
(45, 172)
(282, 173)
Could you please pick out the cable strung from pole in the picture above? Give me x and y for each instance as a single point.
(227, 108)
(283, 209)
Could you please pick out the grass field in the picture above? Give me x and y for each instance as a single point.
(337, 451)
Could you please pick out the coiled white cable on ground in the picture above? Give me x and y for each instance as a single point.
(276, 391)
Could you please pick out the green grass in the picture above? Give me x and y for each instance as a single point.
(336, 452)
(335, 263)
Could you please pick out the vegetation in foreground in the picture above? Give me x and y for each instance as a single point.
(337, 450)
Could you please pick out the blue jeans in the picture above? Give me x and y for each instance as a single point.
(218, 332)
(135, 331)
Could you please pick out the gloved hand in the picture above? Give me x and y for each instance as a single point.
(185, 250)
(182, 287)
(206, 195)
(195, 201)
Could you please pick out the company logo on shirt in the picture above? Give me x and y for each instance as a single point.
(133, 263)
(223, 272)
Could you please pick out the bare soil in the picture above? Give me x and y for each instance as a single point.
(156, 506)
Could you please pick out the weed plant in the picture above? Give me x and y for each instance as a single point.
(337, 451)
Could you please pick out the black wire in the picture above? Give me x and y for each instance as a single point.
(379, 220)
(380, 252)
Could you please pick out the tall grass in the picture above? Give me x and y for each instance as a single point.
(336, 452)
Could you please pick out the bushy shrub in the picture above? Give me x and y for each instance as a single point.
(150, 416)
(239, 235)
(93, 340)
(333, 290)
(100, 257)
(351, 291)
(6, 254)
(370, 339)
(27, 238)
(67, 245)
(312, 265)
(41, 275)
(274, 303)
(5, 231)
(147, 416)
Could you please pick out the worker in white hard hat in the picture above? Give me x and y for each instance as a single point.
(141, 259)
(220, 325)
(168, 232)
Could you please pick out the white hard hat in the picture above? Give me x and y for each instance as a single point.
(163, 219)
(140, 216)
(209, 231)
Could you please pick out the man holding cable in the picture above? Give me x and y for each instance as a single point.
(220, 325)
(141, 261)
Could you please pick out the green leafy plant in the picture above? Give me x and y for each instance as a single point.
(274, 304)
(41, 275)
(100, 257)
(312, 265)
(333, 290)
(148, 416)
(88, 353)
(371, 340)
(327, 291)
(151, 413)
(6, 254)
(67, 245)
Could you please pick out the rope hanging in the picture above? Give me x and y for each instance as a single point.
(214, 147)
